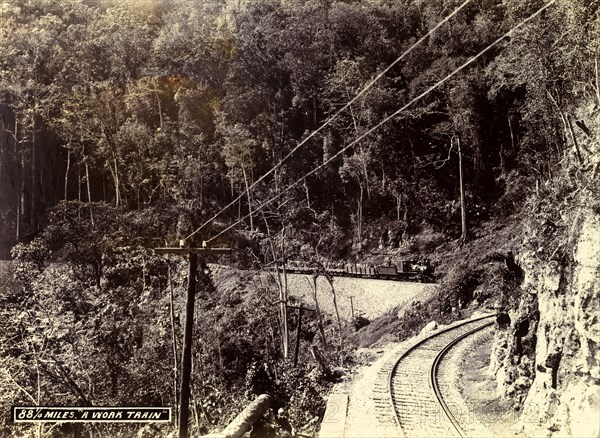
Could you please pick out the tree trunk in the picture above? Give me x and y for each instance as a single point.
(20, 173)
(21, 218)
(79, 191)
(198, 400)
(285, 296)
(115, 171)
(360, 216)
(597, 80)
(282, 288)
(249, 199)
(194, 401)
(563, 118)
(18, 222)
(160, 115)
(67, 173)
(33, 179)
(201, 190)
(115, 179)
(298, 331)
(574, 137)
(244, 421)
(463, 212)
(339, 320)
(139, 187)
(282, 310)
(15, 137)
(89, 190)
(318, 312)
(79, 182)
(512, 142)
(103, 185)
(323, 366)
(307, 194)
(117, 189)
(364, 163)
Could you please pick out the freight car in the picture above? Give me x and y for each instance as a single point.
(403, 270)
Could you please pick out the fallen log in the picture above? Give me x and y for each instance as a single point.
(245, 419)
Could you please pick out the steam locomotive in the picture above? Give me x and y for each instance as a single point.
(403, 270)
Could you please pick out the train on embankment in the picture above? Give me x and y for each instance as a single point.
(403, 270)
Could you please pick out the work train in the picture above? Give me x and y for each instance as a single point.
(403, 270)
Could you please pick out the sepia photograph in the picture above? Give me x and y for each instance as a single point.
(299, 218)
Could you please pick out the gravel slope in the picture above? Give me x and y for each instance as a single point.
(371, 298)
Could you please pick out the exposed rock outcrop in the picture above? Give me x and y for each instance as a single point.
(546, 356)
(429, 327)
(566, 382)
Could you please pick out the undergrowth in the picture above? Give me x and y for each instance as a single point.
(476, 274)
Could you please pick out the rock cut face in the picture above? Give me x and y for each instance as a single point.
(546, 355)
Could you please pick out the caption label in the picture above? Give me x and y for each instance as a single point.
(27, 414)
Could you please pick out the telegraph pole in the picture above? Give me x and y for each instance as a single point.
(186, 355)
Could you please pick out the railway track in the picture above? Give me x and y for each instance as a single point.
(418, 407)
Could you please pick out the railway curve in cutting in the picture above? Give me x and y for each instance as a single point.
(418, 404)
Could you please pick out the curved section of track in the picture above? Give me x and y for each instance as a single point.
(418, 405)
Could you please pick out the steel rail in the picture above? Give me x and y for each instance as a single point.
(433, 372)
(436, 390)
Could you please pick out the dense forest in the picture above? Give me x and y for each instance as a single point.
(180, 106)
(126, 125)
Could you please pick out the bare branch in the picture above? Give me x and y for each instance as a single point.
(12, 134)
(19, 386)
(438, 164)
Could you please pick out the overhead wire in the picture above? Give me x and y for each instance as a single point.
(364, 90)
(387, 119)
